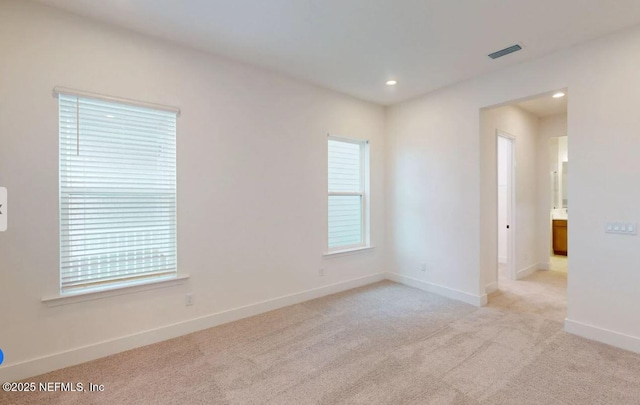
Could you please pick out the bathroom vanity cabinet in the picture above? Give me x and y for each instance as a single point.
(560, 237)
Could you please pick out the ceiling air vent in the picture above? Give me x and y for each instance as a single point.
(505, 51)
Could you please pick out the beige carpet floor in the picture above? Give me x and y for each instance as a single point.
(381, 344)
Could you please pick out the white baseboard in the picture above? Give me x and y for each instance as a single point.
(491, 287)
(606, 336)
(544, 266)
(527, 271)
(469, 298)
(30, 368)
(502, 259)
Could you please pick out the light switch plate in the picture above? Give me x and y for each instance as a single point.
(3, 209)
(621, 228)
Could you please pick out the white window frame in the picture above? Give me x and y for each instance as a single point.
(363, 193)
(112, 288)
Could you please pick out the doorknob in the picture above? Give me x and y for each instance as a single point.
(507, 226)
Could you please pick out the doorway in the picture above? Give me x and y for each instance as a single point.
(521, 176)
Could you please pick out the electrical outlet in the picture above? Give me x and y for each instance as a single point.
(423, 267)
(188, 299)
(321, 272)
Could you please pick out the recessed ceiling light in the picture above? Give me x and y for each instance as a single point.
(559, 95)
(391, 82)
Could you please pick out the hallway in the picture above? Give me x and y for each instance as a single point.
(559, 263)
(542, 293)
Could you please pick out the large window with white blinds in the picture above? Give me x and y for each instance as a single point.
(347, 202)
(117, 193)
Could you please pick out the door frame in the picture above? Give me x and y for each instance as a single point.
(511, 205)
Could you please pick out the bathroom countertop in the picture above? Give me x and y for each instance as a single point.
(559, 214)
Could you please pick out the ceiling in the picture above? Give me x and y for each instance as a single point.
(545, 106)
(355, 46)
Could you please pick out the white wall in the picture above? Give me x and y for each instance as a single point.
(442, 206)
(432, 188)
(251, 180)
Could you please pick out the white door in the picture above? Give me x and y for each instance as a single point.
(506, 203)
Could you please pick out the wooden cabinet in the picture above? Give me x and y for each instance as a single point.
(560, 237)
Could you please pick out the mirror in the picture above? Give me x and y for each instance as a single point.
(563, 183)
(558, 162)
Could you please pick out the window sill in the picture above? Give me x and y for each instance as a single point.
(346, 252)
(72, 298)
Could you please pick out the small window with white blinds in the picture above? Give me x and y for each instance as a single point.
(347, 202)
(117, 193)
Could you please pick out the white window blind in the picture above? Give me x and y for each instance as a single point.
(347, 198)
(117, 193)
